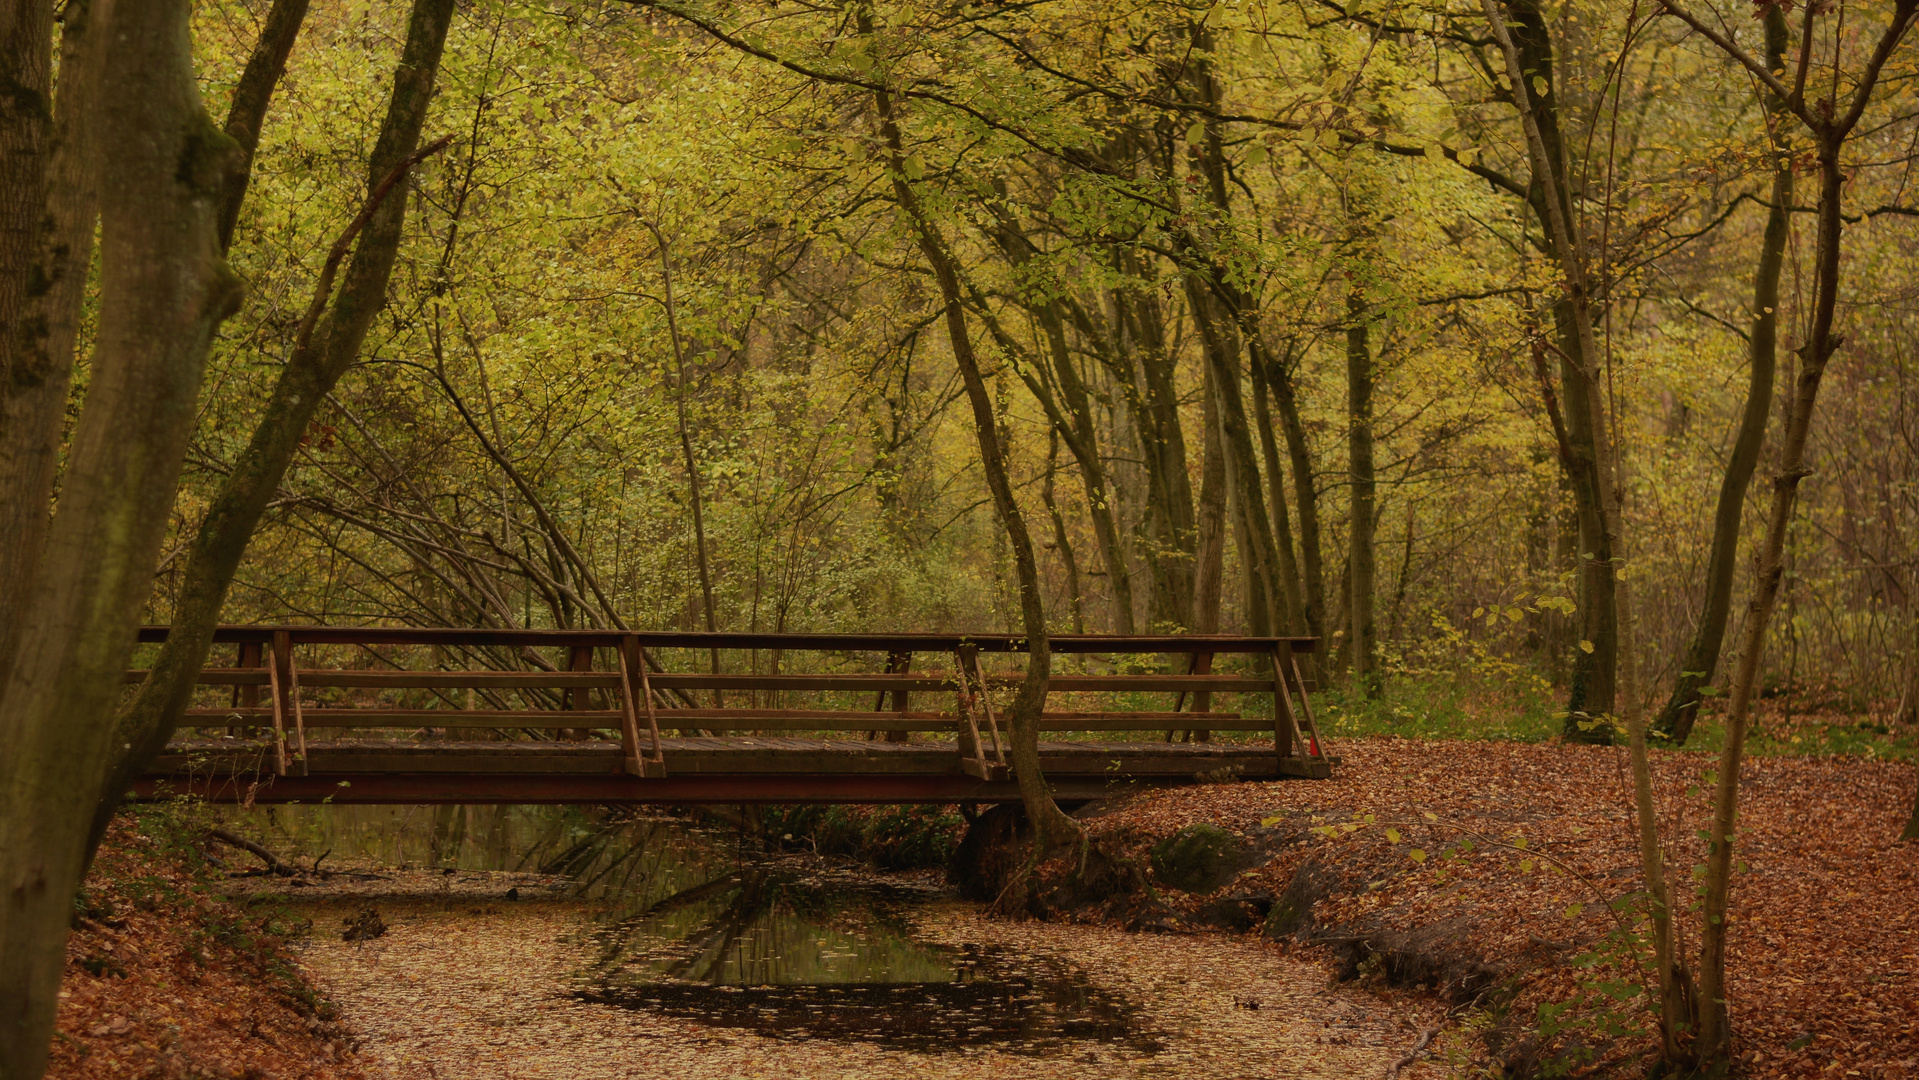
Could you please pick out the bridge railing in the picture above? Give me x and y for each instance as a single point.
(580, 686)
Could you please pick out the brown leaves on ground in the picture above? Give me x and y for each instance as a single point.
(165, 980)
(1467, 866)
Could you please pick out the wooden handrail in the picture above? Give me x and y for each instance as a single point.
(921, 681)
(670, 639)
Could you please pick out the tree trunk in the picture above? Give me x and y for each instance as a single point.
(1911, 831)
(1071, 414)
(48, 226)
(1594, 691)
(1050, 825)
(323, 351)
(1359, 447)
(1061, 542)
(1140, 337)
(1259, 554)
(251, 96)
(1696, 670)
(1219, 307)
(1569, 255)
(1209, 565)
(163, 289)
(1276, 490)
(1279, 378)
(1713, 1031)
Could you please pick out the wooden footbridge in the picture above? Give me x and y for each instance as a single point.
(410, 715)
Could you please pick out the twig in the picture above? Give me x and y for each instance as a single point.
(1419, 1047)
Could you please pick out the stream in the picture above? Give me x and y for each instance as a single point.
(546, 942)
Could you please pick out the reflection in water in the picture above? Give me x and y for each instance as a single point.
(797, 955)
(704, 924)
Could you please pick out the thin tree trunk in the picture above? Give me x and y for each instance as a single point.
(251, 96)
(1209, 564)
(686, 450)
(1050, 825)
(164, 288)
(1359, 448)
(325, 347)
(1276, 489)
(1061, 542)
(1830, 127)
(1219, 306)
(1701, 661)
(1569, 254)
(1279, 378)
(1595, 690)
(1911, 831)
(1074, 421)
(1154, 399)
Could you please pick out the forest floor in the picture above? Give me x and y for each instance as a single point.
(1466, 888)
(1500, 876)
(168, 979)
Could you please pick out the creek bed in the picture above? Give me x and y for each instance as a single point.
(681, 952)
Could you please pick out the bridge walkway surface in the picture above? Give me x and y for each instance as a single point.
(432, 715)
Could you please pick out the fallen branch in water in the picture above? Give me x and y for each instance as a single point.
(273, 861)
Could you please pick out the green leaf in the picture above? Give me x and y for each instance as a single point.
(1392, 836)
(1585, 646)
(1541, 87)
(1525, 866)
(1573, 910)
(913, 167)
(1416, 855)
(1430, 816)
(1256, 154)
(857, 60)
(1196, 134)
(1269, 822)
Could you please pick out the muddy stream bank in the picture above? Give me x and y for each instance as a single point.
(543, 944)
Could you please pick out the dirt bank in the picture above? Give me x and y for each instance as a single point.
(168, 980)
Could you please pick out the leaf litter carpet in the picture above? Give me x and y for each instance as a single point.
(455, 991)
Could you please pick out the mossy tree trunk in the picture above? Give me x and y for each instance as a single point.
(326, 346)
(163, 289)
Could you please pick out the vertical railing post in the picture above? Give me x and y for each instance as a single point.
(280, 679)
(1202, 664)
(636, 687)
(245, 655)
(897, 663)
(577, 698)
(1317, 748)
(1286, 738)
